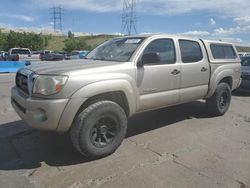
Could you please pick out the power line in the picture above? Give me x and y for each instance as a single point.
(129, 17)
(56, 17)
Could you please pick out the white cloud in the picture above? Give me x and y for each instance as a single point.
(226, 32)
(222, 34)
(4, 25)
(195, 33)
(232, 31)
(245, 20)
(18, 17)
(230, 39)
(211, 21)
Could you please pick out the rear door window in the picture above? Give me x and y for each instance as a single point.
(190, 51)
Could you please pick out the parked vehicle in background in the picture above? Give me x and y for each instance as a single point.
(62, 53)
(36, 55)
(47, 51)
(3, 55)
(93, 98)
(245, 74)
(51, 56)
(242, 54)
(22, 54)
(77, 54)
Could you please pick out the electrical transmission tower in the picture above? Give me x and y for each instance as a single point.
(129, 17)
(56, 17)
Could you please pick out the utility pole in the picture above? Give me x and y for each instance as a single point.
(129, 17)
(56, 17)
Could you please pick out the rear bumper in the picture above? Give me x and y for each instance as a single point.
(40, 114)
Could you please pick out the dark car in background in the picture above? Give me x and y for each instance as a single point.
(245, 75)
(52, 56)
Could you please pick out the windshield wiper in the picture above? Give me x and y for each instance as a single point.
(104, 59)
(101, 59)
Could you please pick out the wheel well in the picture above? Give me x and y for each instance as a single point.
(116, 96)
(227, 80)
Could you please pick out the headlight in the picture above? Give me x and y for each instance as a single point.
(49, 85)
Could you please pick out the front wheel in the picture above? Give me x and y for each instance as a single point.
(99, 129)
(219, 102)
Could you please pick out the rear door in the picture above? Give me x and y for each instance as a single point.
(195, 70)
(158, 83)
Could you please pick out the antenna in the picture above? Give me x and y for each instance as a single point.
(129, 17)
(56, 17)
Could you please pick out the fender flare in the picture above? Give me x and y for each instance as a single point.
(106, 86)
(215, 80)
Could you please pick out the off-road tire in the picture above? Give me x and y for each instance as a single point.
(219, 102)
(85, 128)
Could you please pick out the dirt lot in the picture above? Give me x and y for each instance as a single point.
(173, 147)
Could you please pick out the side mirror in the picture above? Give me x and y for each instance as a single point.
(149, 58)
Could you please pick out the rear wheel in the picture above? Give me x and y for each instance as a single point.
(219, 102)
(99, 129)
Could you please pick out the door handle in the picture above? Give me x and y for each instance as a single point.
(175, 72)
(204, 69)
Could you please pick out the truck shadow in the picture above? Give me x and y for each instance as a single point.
(151, 120)
(240, 93)
(24, 148)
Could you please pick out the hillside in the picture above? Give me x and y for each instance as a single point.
(57, 42)
(243, 49)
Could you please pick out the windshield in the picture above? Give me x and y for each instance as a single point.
(116, 50)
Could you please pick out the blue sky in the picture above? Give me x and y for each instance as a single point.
(225, 19)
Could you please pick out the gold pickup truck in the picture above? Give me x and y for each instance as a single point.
(91, 99)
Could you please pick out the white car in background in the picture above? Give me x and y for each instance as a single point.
(243, 54)
(22, 54)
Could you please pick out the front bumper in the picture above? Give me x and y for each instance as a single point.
(41, 114)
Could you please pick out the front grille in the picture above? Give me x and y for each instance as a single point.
(22, 82)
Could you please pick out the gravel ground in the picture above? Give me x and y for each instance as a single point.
(174, 147)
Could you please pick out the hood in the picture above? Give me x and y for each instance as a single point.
(67, 67)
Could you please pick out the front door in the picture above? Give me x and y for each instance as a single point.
(158, 83)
